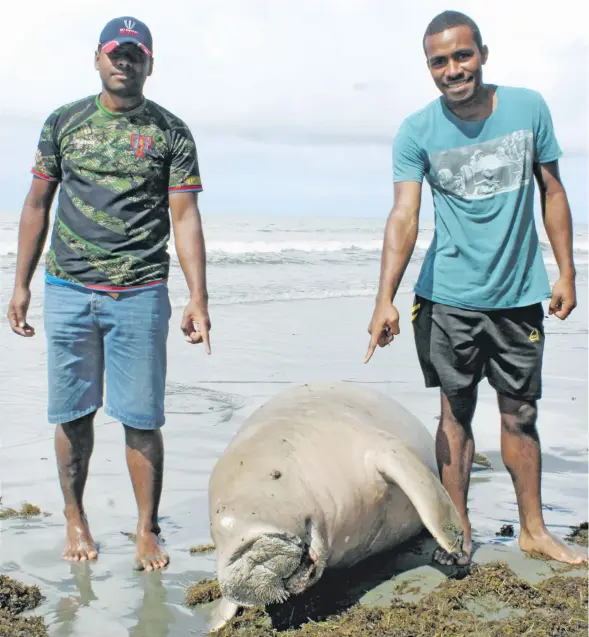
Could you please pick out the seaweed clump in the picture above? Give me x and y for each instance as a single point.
(202, 548)
(27, 511)
(202, 592)
(578, 534)
(15, 598)
(506, 531)
(489, 601)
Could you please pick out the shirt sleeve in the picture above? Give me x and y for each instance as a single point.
(48, 156)
(409, 161)
(546, 145)
(184, 169)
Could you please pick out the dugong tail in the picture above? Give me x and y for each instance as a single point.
(426, 492)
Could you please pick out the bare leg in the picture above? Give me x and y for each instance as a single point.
(74, 442)
(454, 453)
(145, 459)
(520, 448)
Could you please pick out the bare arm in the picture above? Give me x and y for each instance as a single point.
(557, 216)
(399, 239)
(190, 244)
(398, 245)
(33, 228)
(559, 228)
(190, 247)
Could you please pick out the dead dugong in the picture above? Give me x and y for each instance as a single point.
(321, 475)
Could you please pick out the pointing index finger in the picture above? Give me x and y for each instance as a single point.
(371, 347)
(205, 338)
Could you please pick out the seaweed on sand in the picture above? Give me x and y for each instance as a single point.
(202, 592)
(11, 626)
(578, 534)
(506, 531)
(27, 511)
(202, 548)
(15, 598)
(489, 601)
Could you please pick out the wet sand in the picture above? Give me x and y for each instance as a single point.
(258, 349)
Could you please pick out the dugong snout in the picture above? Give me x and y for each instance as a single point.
(266, 569)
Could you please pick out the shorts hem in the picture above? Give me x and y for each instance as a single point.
(515, 395)
(454, 391)
(147, 424)
(65, 417)
(460, 391)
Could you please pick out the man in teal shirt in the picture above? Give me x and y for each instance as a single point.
(478, 303)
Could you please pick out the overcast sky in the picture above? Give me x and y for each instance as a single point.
(293, 105)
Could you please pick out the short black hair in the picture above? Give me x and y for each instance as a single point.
(449, 20)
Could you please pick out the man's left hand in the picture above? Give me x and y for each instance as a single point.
(564, 298)
(196, 324)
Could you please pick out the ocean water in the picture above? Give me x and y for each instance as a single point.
(264, 259)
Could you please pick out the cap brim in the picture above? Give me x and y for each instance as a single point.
(113, 44)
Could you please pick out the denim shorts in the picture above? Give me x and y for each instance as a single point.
(91, 335)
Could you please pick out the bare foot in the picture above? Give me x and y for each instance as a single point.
(150, 553)
(448, 559)
(548, 545)
(79, 545)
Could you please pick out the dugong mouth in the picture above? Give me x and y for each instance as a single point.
(267, 569)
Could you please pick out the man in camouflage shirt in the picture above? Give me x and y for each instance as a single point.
(122, 162)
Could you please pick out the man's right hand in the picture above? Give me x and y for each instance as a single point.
(383, 327)
(17, 312)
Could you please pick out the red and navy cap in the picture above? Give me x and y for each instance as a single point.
(126, 29)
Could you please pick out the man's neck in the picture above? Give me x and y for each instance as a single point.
(481, 105)
(117, 104)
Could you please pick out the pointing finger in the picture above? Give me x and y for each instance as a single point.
(206, 339)
(371, 347)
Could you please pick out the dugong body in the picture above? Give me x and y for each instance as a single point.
(321, 475)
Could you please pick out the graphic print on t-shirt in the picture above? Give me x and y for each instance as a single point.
(117, 172)
(489, 168)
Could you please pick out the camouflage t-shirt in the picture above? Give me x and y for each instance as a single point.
(115, 171)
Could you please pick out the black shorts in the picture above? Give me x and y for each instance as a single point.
(457, 348)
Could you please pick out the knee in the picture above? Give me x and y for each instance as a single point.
(83, 421)
(459, 409)
(519, 417)
(79, 432)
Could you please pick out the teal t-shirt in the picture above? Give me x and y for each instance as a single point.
(485, 253)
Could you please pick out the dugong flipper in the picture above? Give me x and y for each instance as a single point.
(427, 494)
(321, 475)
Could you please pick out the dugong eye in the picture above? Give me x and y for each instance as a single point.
(275, 474)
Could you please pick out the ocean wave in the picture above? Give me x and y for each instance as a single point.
(265, 247)
(293, 251)
(258, 247)
(299, 295)
(222, 251)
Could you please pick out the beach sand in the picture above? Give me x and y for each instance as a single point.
(258, 349)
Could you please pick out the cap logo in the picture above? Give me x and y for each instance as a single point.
(129, 24)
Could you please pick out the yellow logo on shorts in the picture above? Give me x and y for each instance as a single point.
(415, 311)
(534, 335)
